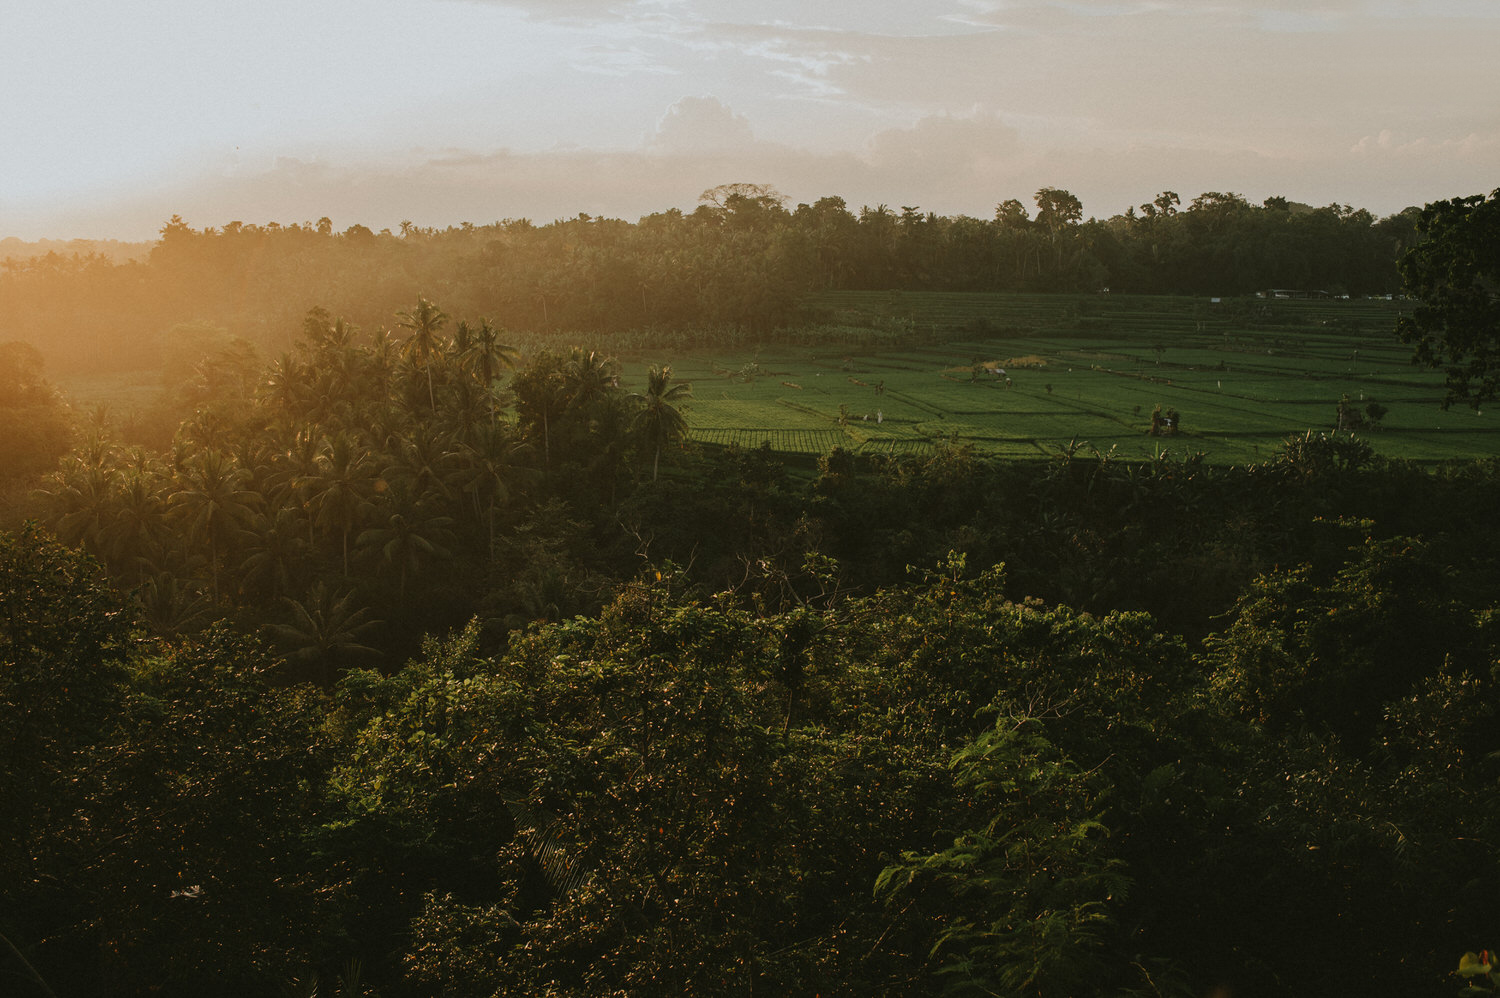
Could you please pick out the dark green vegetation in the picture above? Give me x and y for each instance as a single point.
(1455, 272)
(737, 270)
(389, 667)
(830, 776)
(34, 426)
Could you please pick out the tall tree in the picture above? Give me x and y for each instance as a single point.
(541, 397)
(658, 421)
(1454, 274)
(486, 469)
(424, 323)
(588, 377)
(406, 542)
(137, 529)
(212, 505)
(484, 358)
(272, 560)
(340, 488)
(1056, 208)
(84, 500)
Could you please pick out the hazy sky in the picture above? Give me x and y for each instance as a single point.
(113, 115)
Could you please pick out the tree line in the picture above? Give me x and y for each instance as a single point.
(742, 259)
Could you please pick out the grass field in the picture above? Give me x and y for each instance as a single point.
(1243, 374)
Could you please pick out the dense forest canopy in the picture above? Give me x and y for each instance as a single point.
(807, 781)
(742, 259)
(402, 665)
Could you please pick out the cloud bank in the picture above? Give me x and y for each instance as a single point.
(442, 111)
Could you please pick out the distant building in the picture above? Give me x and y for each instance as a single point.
(1291, 293)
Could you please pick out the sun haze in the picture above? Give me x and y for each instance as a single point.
(117, 116)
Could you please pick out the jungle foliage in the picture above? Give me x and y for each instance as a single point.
(362, 678)
(925, 787)
(384, 669)
(1454, 270)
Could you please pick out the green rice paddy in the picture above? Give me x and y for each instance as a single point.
(1082, 370)
(1243, 374)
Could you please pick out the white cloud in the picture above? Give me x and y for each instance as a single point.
(1473, 146)
(701, 124)
(945, 146)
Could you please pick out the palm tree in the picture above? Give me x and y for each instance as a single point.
(385, 425)
(408, 543)
(210, 428)
(486, 467)
(294, 468)
(325, 630)
(383, 352)
(588, 378)
(82, 496)
(322, 333)
(541, 397)
(338, 493)
(285, 388)
(280, 546)
(423, 461)
(484, 356)
(424, 343)
(463, 339)
(137, 529)
(84, 501)
(543, 291)
(169, 605)
(657, 421)
(97, 449)
(212, 505)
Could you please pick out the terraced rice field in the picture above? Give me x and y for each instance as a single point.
(1243, 374)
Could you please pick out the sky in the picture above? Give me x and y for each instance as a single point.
(115, 116)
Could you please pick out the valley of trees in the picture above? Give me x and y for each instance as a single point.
(390, 668)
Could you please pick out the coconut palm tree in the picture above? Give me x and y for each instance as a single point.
(279, 548)
(424, 344)
(325, 631)
(484, 358)
(285, 389)
(293, 467)
(588, 378)
(171, 606)
(134, 536)
(486, 469)
(407, 542)
(541, 398)
(383, 351)
(423, 460)
(657, 421)
(339, 491)
(83, 501)
(212, 505)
